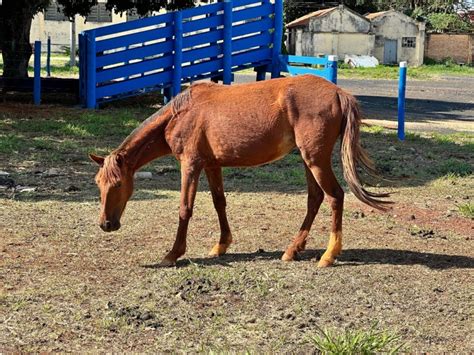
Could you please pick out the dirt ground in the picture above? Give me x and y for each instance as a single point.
(67, 286)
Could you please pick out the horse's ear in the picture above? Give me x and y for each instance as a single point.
(97, 159)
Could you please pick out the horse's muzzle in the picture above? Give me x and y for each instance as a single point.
(110, 226)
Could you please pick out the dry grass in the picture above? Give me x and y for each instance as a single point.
(67, 286)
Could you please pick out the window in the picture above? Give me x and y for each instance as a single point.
(99, 13)
(54, 13)
(409, 42)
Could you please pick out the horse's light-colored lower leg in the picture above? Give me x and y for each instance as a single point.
(333, 250)
(216, 186)
(315, 198)
(189, 184)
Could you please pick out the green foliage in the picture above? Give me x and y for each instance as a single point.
(467, 210)
(441, 22)
(357, 342)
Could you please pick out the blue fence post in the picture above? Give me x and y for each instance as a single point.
(277, 38)
(332, 68)
(178, 52)
(227, 77)
(48, 58)
(402, 81)
(37, 78)
(91, 101)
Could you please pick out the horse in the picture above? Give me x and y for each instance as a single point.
(210, 126)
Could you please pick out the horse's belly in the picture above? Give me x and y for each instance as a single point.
(253, 149)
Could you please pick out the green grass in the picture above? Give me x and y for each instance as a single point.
(357, 342)
(467, 210)
(391, 72)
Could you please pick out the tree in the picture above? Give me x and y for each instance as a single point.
(16, 17)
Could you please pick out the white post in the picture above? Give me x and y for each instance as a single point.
(72, 42)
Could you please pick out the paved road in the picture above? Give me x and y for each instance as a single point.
(432, 105)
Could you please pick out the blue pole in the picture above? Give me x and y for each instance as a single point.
(227, 77)
(178, 52)
(332, 67)
(402, 80)
(48, 58)
(277, 38)
(91, 101)
(37, 78)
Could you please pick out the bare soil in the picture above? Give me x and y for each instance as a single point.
(67, 286)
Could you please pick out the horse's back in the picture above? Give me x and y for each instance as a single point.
(251, 124)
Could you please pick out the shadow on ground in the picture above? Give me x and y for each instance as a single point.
(353, 257)
(419, 110)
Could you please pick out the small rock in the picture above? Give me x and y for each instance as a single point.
(465, 197)
(4, 174)
(20, 188)
(449, 197)
(52, 172)
(260, 251)
(412, 217)
(143, 175)
(146, 316)
(71, 188)
(392, 148)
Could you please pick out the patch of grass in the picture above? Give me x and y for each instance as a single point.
(10, 143)
(357, 342)
(467, 210)
(391, 72)
(75, 130)
(455, 167)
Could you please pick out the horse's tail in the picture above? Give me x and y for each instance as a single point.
(353, 155)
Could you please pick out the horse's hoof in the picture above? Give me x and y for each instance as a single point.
(167, 263)
(218, 250)
(325, 263)
(287, 257)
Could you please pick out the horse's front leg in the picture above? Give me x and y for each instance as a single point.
(189, 182)
(216, 185)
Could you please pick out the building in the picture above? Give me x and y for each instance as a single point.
(337, 30)
(397, 38)
(389, 36)
(54, 24)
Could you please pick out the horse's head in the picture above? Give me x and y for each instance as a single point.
(115, 182)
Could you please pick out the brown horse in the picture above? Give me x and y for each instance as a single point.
(211, 126)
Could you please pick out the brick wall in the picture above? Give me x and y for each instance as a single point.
(441, 46)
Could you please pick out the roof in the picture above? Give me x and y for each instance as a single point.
(304, 20)
(373, 15)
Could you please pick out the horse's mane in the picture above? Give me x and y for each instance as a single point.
(110, 171)
(178, 104)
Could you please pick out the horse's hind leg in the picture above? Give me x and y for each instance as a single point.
(214, 176)
(315, 198)
(325, 177)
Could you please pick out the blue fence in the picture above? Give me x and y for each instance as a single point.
(325, 67)
(165, 51)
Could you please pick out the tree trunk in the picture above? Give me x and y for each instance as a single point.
(15, 26)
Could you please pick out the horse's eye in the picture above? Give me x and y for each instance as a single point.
(119, 184)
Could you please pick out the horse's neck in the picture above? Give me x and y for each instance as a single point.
(146, 143)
